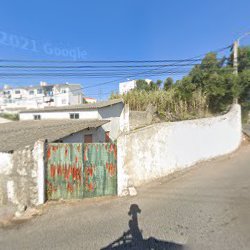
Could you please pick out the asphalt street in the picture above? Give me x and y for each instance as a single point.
(206, 207)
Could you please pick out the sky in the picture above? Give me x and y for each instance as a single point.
(115, 30)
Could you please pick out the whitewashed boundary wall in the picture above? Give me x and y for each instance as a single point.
(160, 149)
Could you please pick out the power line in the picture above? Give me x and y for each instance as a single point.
(95, 67)
(112, 61)
(117, 80)
(90, 67)
(94, 73)
(99, 62)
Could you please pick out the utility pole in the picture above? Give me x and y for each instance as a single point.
(235, 62)
(235, 58)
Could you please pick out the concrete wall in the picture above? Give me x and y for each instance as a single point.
(160, 149)
(138, 119)
(22, 176)
(118, 114)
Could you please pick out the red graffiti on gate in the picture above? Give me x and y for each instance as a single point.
(89, 173)
(111, 168)
(50, 187)
(67, 172)
(48, 153)
(70, 188)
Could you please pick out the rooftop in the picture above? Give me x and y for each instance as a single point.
(18, 135)
(76, 107)
(58, 85)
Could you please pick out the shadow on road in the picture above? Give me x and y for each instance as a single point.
(133, 239)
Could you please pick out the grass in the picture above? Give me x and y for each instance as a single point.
(13, 117)
(170, 105)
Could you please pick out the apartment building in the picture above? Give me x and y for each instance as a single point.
(125, 87)
(40, 96)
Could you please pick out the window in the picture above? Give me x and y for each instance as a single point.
(74, 116)
(63, 91)
(17, 92)
(31, 92)
(107, 138)
(39, 91)
(88, 138)
(37, 117)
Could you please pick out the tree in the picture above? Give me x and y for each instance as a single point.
(243, 59)
(142, 85)
(153, 86)
(212, 80)
(158, 83)
(244, 83)
(168, 83)
(185, 87)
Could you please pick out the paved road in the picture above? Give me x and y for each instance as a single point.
(207, 207)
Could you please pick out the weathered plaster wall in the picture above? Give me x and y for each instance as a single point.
(5, 170)
(139, 119)
(160, 149)
(22, 176)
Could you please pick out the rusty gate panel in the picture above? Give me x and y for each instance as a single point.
(76, 170)
(64, 177)
(100, 169)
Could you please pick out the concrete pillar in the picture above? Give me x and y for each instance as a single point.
(39, 159)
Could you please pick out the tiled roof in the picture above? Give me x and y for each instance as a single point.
(75, 107)
(17, 135)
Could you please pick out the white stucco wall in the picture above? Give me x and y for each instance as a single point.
(117, 114)
(88, 114)
(5, 163)
(163, 148)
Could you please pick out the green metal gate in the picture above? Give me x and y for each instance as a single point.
(76, 170)
(100, 169)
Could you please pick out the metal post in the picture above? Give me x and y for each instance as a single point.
(235, 62)
(235, 58)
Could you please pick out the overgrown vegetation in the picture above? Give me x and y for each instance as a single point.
(210, 87)
(13, 117)
(170, 105)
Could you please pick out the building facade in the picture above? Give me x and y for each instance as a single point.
(40, 96)
(114, 111)
(125, 87)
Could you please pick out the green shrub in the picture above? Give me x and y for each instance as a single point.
(170, 105)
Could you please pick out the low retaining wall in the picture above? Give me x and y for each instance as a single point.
(160, 149)
(139, 119)
(22, 176)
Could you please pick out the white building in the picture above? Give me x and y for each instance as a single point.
(40, 96)
(67, 94)
(114, 111)
(125, 87)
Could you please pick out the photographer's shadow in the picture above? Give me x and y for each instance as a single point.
(133, 239)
